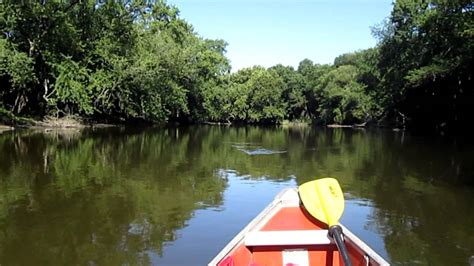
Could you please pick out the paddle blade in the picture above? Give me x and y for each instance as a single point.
(323, 199)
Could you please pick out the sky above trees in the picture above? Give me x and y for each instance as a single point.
(270, 32)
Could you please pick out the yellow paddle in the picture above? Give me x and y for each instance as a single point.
(323, 199)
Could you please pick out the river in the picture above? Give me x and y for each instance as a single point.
(176, 196)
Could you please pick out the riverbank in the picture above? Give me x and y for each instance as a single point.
(4, 128)
(50, 122)
(76, 122)
(10, 121)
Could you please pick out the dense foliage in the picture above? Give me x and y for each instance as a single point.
(426, 62)
(138, 60)
(104, 59)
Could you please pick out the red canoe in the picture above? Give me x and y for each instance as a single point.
(285, 234)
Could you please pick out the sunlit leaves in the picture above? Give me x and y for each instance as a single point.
(16, 65)
(71, 90)
(106, 59)
(344, 100)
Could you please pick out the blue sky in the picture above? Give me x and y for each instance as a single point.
(268, 32)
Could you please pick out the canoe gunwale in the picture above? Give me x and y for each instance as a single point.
(287, 198)
(255, 224)
(368, 251)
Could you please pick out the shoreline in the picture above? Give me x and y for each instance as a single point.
(72, 122)
(52, 123)
(5, 128)
(76, 122)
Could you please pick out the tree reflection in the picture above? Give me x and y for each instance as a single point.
(112, 196)
(95, 198)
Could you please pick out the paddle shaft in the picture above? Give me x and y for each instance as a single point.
(335, 232)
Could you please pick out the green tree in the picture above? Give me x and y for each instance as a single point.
(344, 100)
(426, 61)
(256, 96)
(293, 94)
(312, 74)
(117, 60)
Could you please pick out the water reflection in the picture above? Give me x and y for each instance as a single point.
(131, 196)
(97, 198)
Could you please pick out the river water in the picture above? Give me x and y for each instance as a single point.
(176, 196)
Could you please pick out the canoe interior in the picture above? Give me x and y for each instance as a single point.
(290, 218)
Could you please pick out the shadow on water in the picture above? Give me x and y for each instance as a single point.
(125, 196)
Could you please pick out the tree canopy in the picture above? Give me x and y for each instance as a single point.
(105, 59)
(133, 60)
